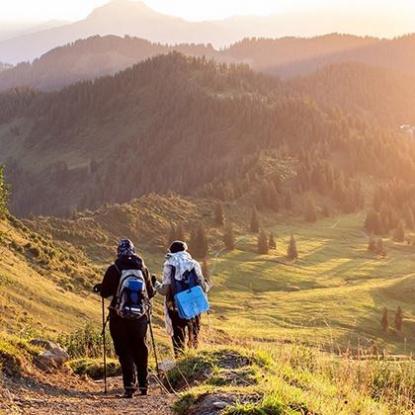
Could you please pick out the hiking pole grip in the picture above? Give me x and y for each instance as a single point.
(104, 345)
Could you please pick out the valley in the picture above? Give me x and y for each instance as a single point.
(286, 164)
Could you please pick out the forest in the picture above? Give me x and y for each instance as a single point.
(230, 134)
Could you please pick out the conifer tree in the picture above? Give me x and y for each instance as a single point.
(399, 233)
(292, 252)
(254, 224)
(229, 237)
(199, 243)
(380, 247)
(4, 192)
(385, 320)
(271, 242)
(219, 215)
(372, 246)
(310, 213)
(373, 223)
(262, 243)
(399, 319)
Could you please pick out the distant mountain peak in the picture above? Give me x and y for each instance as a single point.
(123, 6)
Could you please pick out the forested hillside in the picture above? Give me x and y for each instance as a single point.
(383, 96)
(90, 58)
(191, 126)
(295, 56)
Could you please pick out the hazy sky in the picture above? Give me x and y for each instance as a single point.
(41, 10)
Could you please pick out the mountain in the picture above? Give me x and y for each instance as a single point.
(89, 59)
(9, 30)
(4, 66)
(381, 95)
(286, 57)
(152, 126)
(290, 57)
(119, 17)
(134, 18)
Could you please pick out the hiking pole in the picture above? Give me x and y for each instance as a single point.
(153, 342)
(104, 345)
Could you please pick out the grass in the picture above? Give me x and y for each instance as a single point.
(333, 295)
(305, 380)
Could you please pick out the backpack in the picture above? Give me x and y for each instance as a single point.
(189, 297)
(131, 298)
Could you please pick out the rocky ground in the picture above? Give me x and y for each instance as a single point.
(66, 396)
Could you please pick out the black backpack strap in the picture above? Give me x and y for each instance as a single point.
(173, 279)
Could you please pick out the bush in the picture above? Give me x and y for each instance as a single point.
(85, 342)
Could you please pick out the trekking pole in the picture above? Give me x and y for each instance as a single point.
(104, 345)
(153, 343)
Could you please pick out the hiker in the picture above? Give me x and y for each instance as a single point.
(128, 282)
(177, 266)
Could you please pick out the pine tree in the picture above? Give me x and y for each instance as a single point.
(380, 247)
(254, 224)
(373, 223)
(385, 320)
(292, 252)
(219, 215)
(399, 319)
(262, 243)
(399, 233)
(199, 243)
(372, 246)
(271, 242)
(4, 193)
(229, 237)
(310, 213)
(326, 211)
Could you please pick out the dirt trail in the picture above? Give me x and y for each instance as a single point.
(85, 398)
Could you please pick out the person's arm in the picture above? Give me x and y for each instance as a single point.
(164, 288)
(203, 283)
(109, 283)
(149, 285)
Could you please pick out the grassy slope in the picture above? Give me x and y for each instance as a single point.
(334, 294)
(43, 285)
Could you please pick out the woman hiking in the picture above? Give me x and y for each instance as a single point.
(178, 263)
(128, 282)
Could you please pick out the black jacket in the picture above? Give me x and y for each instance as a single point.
(112, 276)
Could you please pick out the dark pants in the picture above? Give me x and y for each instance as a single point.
(179, 332)
(129, 338)
(194, 330)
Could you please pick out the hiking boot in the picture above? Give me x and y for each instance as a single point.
(143, 391)
(128, 394)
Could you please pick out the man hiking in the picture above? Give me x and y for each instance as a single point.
(128, 282)
(178, 265)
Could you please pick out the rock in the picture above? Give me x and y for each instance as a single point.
(44, 344)
(220, 404)
(51, 360)
(167, 365)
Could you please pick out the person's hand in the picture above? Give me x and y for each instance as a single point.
(154, 280)
(97, 288)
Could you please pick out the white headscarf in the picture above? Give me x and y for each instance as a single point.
(182, 262)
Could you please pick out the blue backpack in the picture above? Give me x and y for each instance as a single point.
(131, 298)
(189, 297)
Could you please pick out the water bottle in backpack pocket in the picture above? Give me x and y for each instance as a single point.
(131, 299)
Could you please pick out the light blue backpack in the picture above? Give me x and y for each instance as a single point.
(189, 297)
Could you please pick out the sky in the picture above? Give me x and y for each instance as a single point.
(72, 10)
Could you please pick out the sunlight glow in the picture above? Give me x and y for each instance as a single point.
(42, 10)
